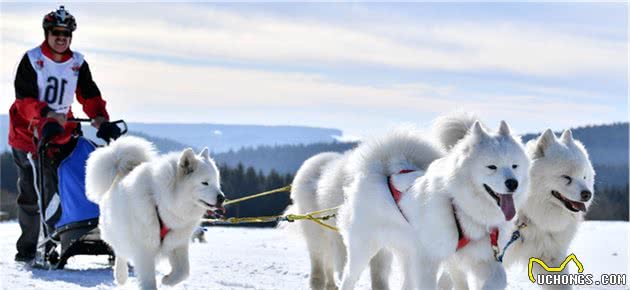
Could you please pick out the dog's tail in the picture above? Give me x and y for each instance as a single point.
(449, 129)
(106, 165)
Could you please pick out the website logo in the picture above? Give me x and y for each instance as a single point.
(555, 275)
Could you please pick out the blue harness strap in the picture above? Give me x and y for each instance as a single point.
(515, 236)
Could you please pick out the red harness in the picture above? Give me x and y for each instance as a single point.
(163, 228)
(396, 194)
(463, 239)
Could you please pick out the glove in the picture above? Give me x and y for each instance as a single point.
(51, 129)
(108, 131)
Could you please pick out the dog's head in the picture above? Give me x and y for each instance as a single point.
(563, 172)
(198, 180)
(491, 174)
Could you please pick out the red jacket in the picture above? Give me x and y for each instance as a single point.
(28, 110)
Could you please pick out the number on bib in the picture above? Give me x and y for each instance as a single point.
(52, 90)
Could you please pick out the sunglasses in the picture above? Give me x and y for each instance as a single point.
(65, 33)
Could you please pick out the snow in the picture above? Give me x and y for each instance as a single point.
(245, 258)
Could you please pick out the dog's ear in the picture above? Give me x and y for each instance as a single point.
(567, 136)
(504, 129)
(187, 161)
(204, 153)
(478, 130)
(543, 143)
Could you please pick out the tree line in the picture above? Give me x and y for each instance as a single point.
(610, 201)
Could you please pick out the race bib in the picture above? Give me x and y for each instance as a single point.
(57, 82)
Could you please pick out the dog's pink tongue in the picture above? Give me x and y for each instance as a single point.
(578, 205)
(507, 206)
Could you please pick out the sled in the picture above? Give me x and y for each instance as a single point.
(76, 231)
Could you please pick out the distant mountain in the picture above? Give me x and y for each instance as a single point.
(217, 137)
(222, 138)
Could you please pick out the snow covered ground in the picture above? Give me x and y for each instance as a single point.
(239, 258)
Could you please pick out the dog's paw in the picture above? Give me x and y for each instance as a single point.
(121, 278)
(121, 273)
(172, 279)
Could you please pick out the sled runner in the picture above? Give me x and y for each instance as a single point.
(68, 220)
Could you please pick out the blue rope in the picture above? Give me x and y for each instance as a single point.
(515, 236)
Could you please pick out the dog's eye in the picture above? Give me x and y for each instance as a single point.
(514, 166)
(568, 178)
(205, 183)
(492, 167)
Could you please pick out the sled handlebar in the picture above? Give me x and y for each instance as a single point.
(42, 144)
(86, 120)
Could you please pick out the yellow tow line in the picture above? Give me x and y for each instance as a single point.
(311, 216)
(282, 189)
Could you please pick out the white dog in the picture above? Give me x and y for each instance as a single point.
(150, 205)
(560, 193)
(317, 185)
(450, 205)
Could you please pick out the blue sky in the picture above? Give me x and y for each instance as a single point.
(360, 67)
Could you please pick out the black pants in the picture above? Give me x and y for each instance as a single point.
(28, 209)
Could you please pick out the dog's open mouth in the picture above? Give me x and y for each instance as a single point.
(504, 201)
(574, 206)
(212, 209)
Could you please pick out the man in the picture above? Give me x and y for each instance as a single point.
(46, 82)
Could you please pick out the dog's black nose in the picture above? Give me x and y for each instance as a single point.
(220, 199)
(511, 184)
(586, 195)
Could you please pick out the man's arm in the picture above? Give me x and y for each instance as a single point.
(89, 96)
(26, 92)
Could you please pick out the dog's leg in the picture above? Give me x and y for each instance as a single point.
(445, 281)
(489, 275)
(339, 258)
(428, 272)
(458, 277)
(380, 268)
(318, 278)
(359, 255)
(180, 266)
(121, 272)
(329, 270)
(409, 263)
(144, 267)
(330, 260)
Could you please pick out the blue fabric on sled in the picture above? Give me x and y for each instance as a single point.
(75, 206)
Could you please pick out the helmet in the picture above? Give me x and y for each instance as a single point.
(59, 18)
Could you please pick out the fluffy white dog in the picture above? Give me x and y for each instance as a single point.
(560, 193)
(150, 205)
(444, 207)
(317, 185)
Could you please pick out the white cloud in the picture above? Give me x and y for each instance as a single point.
(161, 91)
(203, 32)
